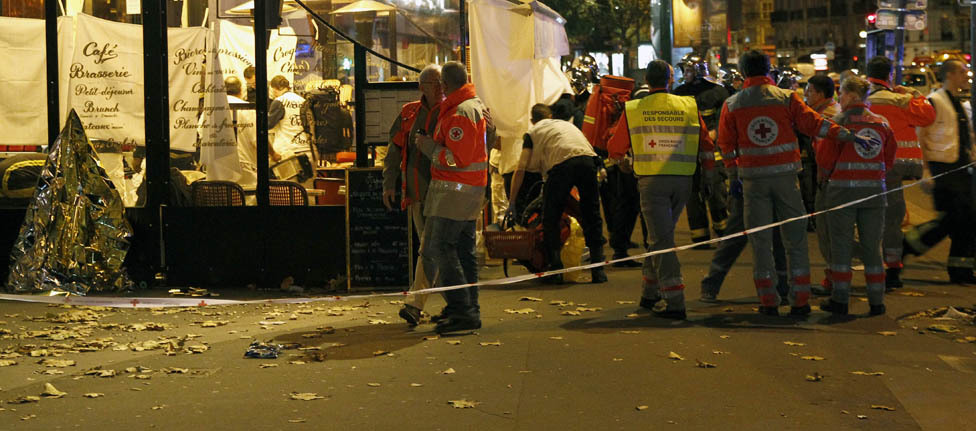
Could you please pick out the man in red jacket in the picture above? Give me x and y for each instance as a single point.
(759, 145)
(459, 163)
(905, 109)
(405, 163)
(850, 173)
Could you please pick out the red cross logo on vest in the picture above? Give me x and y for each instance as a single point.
(762, 131)
(652, 144)
(455, 133)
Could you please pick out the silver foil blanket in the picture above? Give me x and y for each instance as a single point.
(75, 235)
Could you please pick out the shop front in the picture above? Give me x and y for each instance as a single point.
(170, 93)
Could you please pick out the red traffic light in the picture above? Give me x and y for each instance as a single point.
(967, 57)
(855, 58)
(872, 18)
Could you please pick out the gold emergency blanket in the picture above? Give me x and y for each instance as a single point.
(74, 237)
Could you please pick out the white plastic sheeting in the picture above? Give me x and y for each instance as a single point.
(506, 72)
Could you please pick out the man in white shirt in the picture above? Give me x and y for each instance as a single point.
(568, 161)
(285, 120)
(246, 133)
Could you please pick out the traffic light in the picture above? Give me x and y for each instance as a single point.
(871, 20)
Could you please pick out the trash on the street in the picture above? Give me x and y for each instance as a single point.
(463, 404)
(306, 396)
(815, 377)
(261, 350)
(52, 392)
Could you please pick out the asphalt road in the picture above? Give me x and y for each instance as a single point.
(597, 363)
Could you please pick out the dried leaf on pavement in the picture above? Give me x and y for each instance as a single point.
(862, 417)
(25, 399)
(943, 328)
(630, 332)
(463, 404)
(7, 362)
(570, 313)
(175, 370)
(306, 396)
(642, 408)
(490, 343)
(675, 356)
(448, 371)
(703, 364)
(555, 338)
(718, 352)
(101, 373)
(378, 322)
(52, 392)
(432, 337)
(373, 385)
(416, 385)
(584, 309)
(453, 342)
(812, 358)
(296, 421)
(725, 337)
(868, 373)
(93, 395)
(888, 333)
(633, 315)
(58, 363)
(530, 298)
(296, 362)
(268, 365)
(520, 311)
(815, 377)
(793, 343)
(882, 407)
(380, 352)
(911, 293)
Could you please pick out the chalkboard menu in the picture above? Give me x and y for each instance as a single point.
(377, 239)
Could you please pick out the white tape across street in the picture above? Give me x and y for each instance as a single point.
(144, 302)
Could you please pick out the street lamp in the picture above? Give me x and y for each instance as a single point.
(863, 34)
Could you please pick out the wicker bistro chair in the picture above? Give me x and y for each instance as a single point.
(287, 193)
(217, 194)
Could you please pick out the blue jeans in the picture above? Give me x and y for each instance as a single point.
(448, 255)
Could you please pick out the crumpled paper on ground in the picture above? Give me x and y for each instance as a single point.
(74, 236)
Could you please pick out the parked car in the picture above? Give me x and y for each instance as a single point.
(919, 78)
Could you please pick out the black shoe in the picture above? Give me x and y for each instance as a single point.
(837, 308)
(437, 318)
(411, 314)
(555, 278)
(649, 303)
(893, 279)
(671, 314)
(800, 311)
(627, 263)
(769, 311)
(598, 275)
(877, 310)
(455, 324)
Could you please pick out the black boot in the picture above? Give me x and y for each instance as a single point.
(837, 308)
(877, 310)
(959, 275)
(598, 274)
(555, 263)
(893, 279)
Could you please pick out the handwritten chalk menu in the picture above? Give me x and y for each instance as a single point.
(377, 244)
(106, 80)
(189, 80)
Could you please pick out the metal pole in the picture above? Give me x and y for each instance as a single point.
(665, 31)
(156, 86)
(359, 63)
(900, 41)
(261, 87)
(51, 47)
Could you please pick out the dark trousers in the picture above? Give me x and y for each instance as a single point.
(953, 195)
(698, 208)
(527, 193)
(579, 172)
(448, 256)
(626, 208)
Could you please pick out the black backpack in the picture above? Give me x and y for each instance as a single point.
(327, 121)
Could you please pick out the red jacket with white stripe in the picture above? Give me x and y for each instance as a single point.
(904, 113)
(756, 129)
(854, 166)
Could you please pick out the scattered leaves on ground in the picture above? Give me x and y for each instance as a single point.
(306, 396)
(380, 352)
(642, 408)
(296, 421)
(25, 399)
(630, 332)
(725, 337)
(719, 352)
(590, 309)
(7, 362)
(519, 311)
(633, 315)
(463, 404)
(453, 342)
(555, 338)
(862, 417)
(416, 385)
(911, 293)
(432, 337)
(373, 385)
(795, 344)
(58, 363)
(530, 298)
(815, 377)
(378, 322)
(888, 333)
(448, 371)
(882, 407)
(101, 373)
(626, 302)
(570, 313)
(868, 373)
(812, 358)
(675, 356)
(93, 395)
(490, 343)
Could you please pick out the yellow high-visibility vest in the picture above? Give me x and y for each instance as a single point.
(664, 131)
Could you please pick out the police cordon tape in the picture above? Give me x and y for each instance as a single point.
(145, 302)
